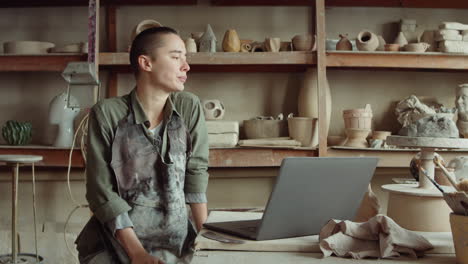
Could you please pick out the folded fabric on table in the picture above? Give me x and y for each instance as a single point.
(380, 237)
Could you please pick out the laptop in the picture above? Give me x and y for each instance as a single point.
(308, 192)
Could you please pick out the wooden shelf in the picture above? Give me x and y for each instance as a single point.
(400, 60)
(254, 157)
(263, 2)
(38, 3)
(47, 62)
(52, 157)
(397, 158)
(400, 3)
(227, 61)
(219, 158)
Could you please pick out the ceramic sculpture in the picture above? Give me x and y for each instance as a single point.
(17, 133)
(213, 109)
(401, 40)
(367, 41)
(344, 43)
(231, 41)
(208, 40)
(61, 115)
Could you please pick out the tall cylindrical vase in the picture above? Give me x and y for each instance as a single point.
(308, 98)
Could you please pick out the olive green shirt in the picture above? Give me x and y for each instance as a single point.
(101, 186)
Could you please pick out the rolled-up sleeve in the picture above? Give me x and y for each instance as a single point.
(101, 186)
(196, 179)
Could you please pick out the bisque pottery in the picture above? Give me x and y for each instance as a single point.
(27, 47)
(356, 137)
(303, 42)
(231, 41)
(358, 118)
(416, 47)
(367, 41)
(401, 40)
(190, 45)
(272, 44)
(344, 43)
(382, 43)
(207, 40)
(213, 109)
(145, 24)
(256, 128)
(304, 130)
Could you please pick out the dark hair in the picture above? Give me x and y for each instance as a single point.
(145, 43)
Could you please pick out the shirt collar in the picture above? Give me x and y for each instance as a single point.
(140, 115)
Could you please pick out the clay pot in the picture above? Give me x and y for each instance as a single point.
(358, 118)
(257, 47)
(416, 47)
(27, 47)
(356, 137)
(286, 46)
(145, 24)
(304, 130)
(344, 43)
(272, 44)
(392, 47)
(367, 41)
(303, 42)
(190, 45)
(265, 128)
(231, 41)
(459, 227)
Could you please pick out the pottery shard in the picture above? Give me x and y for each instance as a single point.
(433, 126)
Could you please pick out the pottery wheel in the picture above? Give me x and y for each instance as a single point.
(427, 142)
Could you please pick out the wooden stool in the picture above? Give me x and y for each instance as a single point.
(14, 161)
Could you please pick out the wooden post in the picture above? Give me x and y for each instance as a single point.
(322, 74)
(93, 40)
(111, 29)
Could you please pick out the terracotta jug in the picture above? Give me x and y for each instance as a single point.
(344, 43)
(367, 41)
(231, 41)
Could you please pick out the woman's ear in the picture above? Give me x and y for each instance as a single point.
(144, 62)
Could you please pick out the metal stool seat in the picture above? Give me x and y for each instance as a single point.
(15, 161)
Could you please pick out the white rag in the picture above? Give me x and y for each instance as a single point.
(379, 237)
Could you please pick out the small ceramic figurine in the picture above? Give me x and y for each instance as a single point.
(208, 40)
(61, 115)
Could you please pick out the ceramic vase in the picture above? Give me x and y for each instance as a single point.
(231, 41)
(190, 45)
(367, 41)
(344, 43)
(17, 133)
(401, 40)
(382, 43)
(303, 42)
(60, 114)
(272, 44)
(308, 98)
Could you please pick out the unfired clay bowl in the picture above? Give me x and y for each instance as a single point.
(27, 47)
(303, 42)
(416, 47)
